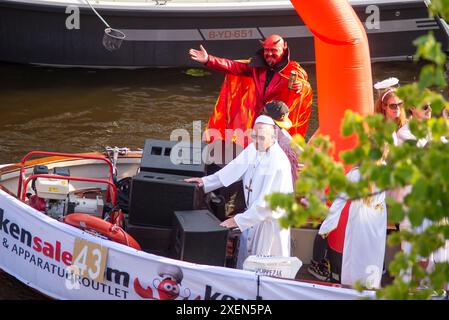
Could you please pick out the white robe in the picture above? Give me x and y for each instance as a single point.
(365, 237)
(270, 172)
(404, 134)
(440, 255)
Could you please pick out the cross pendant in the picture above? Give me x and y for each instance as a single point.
(249, 190)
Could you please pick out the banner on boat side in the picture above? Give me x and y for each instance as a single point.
(38, 251)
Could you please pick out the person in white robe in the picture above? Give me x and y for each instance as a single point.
(404, 133)
(365, 236)
(264, 169)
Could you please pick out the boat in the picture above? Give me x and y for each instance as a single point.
(159, 33)
(40, 248)
(59, 215)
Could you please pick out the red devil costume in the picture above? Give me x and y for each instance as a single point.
(248, 85)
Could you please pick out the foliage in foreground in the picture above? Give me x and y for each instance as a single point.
(426, 170)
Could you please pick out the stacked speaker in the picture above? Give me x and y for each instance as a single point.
(199, 238)
(159, 190)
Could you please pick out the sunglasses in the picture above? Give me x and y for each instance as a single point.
(426, 107)
(395, 106)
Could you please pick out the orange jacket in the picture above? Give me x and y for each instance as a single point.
(244, 94)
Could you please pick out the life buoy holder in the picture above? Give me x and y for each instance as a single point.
(105, 228)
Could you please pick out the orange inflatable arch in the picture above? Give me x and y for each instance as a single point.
(343, 65)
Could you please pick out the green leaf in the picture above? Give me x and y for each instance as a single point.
(375, 154)
(396, 212)
(427, 77)
(425, 170)
(429, 49)
(416, 216)
(440, 8)
(337, 181)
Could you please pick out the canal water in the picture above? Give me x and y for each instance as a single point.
(81, 110)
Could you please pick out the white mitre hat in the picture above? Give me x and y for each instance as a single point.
(265, 119)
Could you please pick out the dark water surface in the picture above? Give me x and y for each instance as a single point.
(80, 110)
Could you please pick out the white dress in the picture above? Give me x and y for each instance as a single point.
(262, 173)
(405, 134)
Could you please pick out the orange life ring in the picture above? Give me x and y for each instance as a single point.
(105, 228)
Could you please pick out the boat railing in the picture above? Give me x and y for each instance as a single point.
(22, 176)
(112, 187)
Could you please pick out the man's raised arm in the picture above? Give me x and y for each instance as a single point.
(220, 64)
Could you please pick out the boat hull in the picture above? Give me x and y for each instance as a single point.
(39, 251)
(160, 36)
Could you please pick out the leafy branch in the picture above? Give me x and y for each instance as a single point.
(422, 172)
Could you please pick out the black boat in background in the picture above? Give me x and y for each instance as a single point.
(159, 33)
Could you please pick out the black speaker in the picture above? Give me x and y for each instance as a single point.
(199, 238)
(153, 239)
(155, 196)
(173, 157)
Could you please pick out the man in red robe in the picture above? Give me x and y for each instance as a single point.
(249, 85)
